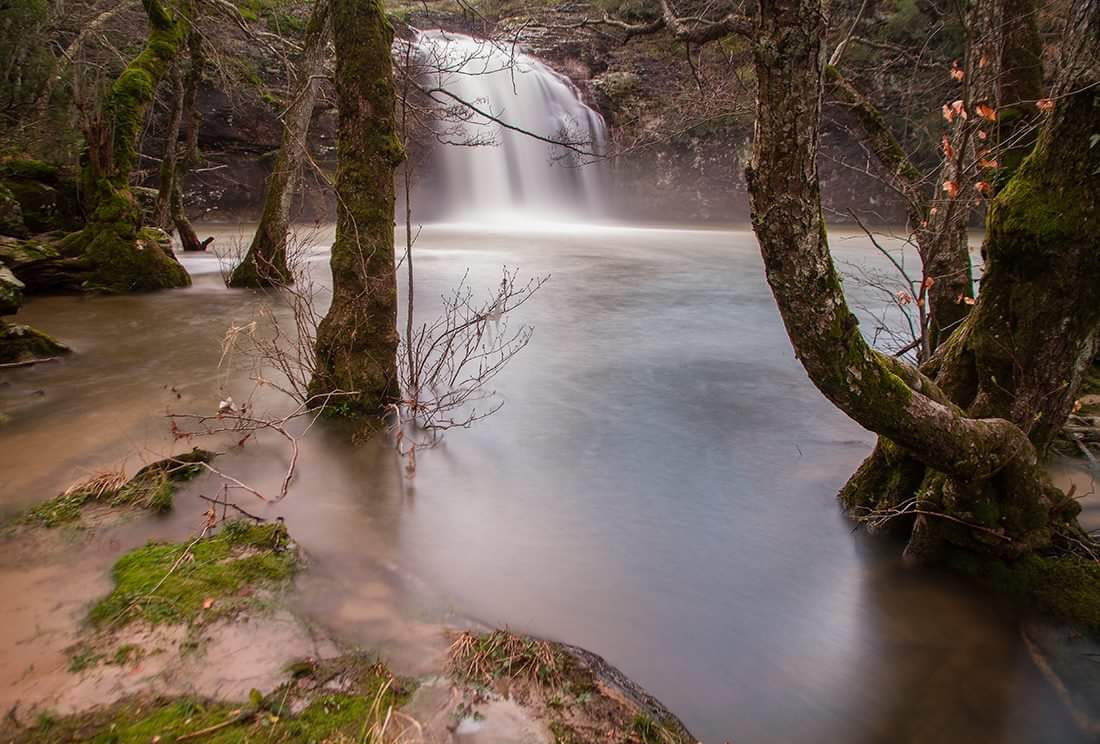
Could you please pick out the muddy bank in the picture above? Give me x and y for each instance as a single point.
(202, 639)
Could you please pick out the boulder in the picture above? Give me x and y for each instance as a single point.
(21, 343)
(11, 291)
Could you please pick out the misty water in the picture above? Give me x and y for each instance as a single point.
(659, 488)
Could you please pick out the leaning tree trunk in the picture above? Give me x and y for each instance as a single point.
(265, 264)
(191, 119)
(119, 253)
(961, 451)
(357, 340)
(162, 211)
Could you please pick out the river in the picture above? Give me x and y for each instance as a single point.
(659, 488)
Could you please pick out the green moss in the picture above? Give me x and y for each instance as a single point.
(126, 654)
(171, 583)
(30, 170)
(151, 488)
(1065, 587)
(20, 343)
(326, 716)
(125, 261)
(83, 658)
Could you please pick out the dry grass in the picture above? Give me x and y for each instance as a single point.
(489, 656)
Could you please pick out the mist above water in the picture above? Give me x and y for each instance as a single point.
(515, 141)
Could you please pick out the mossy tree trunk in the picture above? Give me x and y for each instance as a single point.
(170, 210)
(265, 264)
(959, 454)
(122, 254)
(357, 340)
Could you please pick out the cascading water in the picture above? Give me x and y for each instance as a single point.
(484, 168)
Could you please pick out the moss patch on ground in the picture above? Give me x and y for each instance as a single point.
(151, 488)
(347, 699)
(200, 581)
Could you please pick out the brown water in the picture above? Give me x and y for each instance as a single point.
(659, 488)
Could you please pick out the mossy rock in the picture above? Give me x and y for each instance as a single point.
(152, 488)
(198, 581)
(11, 291)
(16, 253)
(124, 261)
(21, 343)
(617, 85)
(30, 170)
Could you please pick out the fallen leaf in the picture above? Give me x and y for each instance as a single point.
(208, 603)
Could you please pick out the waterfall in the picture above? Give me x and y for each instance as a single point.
(485, 170)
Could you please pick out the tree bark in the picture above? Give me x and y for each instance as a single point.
(357, 340)
(123, 254)
(191, 119)
(265, 264)
(970, 471)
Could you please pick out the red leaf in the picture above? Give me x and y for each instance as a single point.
(951, 188)
(1044, 104)
(986, 111)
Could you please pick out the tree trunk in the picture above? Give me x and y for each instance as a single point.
(191, 120)
(357, 340)
(123, 254)
(168, 165)
(265, 264)
(959, 453)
